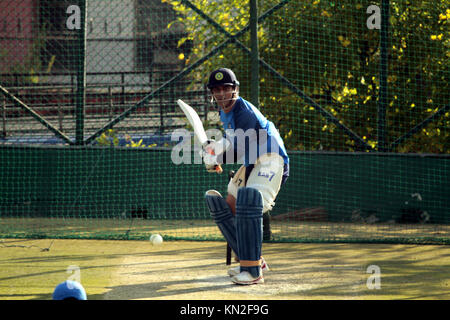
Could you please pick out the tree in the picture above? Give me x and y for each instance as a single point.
(326, 50)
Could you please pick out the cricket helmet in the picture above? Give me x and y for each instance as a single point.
(222, 77)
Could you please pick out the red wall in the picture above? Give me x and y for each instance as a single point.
(16, 37)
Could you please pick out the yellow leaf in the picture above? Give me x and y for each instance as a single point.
(181, 56)
(345, 42)
(50, 64)
(345, 91)
(391, 78)
(33, 78)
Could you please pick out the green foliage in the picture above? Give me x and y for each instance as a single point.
(326, 49)
(110, 139)
(31, 63)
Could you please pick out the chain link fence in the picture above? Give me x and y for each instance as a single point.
(358, 90)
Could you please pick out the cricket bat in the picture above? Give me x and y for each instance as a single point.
(197, 124)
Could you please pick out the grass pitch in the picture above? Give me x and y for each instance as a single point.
(196, 270)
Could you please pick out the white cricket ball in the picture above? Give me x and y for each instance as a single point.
(156, 239)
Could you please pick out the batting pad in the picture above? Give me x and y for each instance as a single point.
(249, 206)
(223, 217)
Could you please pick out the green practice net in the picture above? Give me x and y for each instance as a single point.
(93, 144)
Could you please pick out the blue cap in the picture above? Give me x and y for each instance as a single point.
(69, 289)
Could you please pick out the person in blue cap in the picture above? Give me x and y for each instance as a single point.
(69, 290)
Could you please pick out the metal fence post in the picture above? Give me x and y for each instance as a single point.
(110, 103)
(383, 76)
(4, 117)
(81, 76)
(254, 87)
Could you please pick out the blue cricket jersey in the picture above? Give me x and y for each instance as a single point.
(247, 117)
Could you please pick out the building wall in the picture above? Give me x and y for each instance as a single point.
(16, 33)
(122, 36)
(110, 36)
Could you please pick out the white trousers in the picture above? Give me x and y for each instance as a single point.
(266, 177)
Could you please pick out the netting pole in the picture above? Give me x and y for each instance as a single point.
(254, 57)
(81, 75)
(4, 117)
(383, 76)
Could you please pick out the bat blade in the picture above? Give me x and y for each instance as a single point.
(197, 124)
(194, 120)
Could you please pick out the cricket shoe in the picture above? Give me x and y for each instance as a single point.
(236, 270)
(245, 278)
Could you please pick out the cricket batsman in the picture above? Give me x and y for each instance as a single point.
(252, 139)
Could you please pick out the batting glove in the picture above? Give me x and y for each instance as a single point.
(209, 158)
(210, 161)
